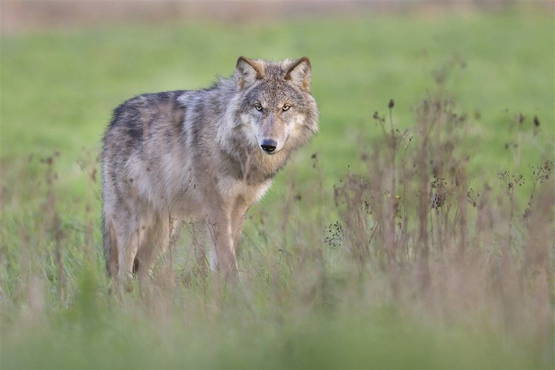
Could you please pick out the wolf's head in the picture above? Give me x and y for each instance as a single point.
(276, 110)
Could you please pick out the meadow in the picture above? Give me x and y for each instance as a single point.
(415, 231)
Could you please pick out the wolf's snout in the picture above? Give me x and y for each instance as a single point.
(268, 145)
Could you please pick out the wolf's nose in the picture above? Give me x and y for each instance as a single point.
(268, 145)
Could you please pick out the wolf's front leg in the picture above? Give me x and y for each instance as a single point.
(237, 220)
(221, 233)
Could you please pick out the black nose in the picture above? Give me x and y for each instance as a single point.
(268, 145)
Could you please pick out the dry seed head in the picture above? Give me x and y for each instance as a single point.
(520, 118)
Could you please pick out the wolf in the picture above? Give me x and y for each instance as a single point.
(201, 155)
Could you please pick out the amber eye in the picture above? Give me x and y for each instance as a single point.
(285, 107)
(258, 107)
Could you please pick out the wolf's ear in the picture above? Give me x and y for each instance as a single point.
(248, 71)
(300, 72)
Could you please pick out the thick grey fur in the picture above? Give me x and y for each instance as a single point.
(196, 155)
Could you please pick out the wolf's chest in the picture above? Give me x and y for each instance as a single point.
(231, 188)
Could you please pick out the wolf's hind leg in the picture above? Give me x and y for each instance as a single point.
(129, 236)
(156, 243)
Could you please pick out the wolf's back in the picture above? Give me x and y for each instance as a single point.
(141, 129)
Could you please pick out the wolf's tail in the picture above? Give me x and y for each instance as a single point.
(110, 247)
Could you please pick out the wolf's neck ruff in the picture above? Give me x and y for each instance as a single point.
(253, 166)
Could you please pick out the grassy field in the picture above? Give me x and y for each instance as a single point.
(338, 267)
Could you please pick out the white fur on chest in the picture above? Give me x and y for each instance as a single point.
(232, 188)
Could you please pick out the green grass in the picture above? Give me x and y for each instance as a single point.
(293, 310)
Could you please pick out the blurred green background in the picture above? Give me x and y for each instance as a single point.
(60, 86)
(63, 73)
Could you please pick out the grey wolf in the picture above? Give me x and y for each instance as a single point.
(201, 155)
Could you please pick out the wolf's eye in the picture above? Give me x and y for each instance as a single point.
(285, 107)
(258, 107)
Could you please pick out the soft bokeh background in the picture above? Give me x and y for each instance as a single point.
(64, 67)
